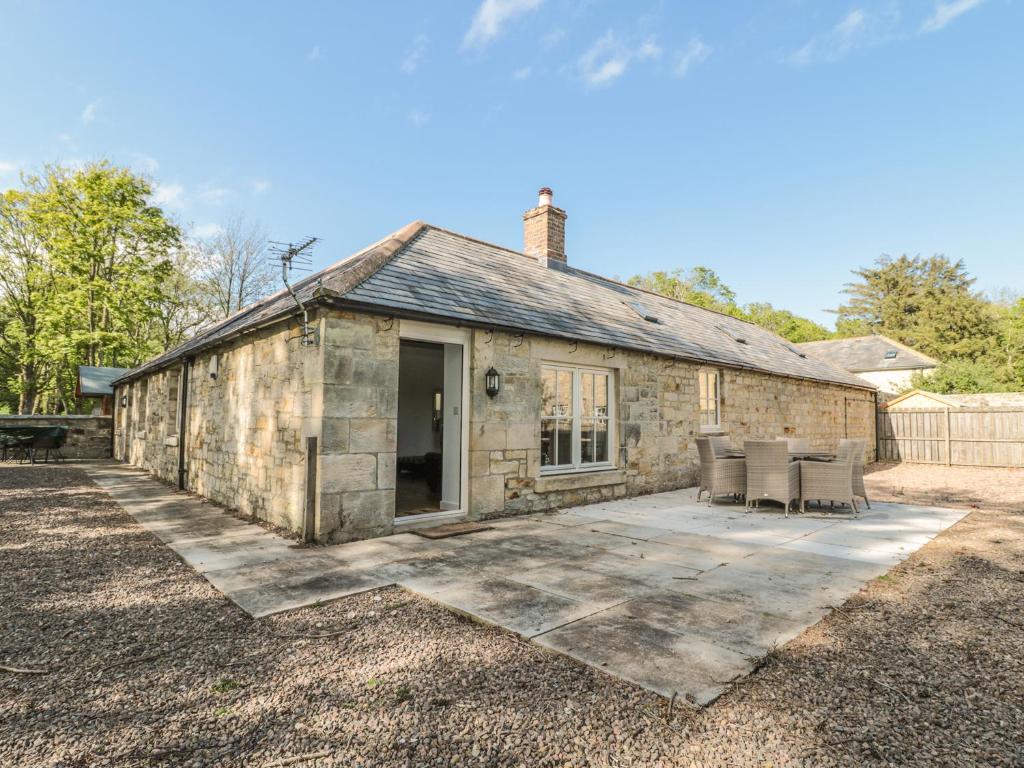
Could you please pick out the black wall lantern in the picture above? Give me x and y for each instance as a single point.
(124, 401)
(492, 380)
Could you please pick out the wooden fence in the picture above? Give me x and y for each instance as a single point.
(979, 437)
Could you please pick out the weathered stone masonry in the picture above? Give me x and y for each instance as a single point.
(247, 428)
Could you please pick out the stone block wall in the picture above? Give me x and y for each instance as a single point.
(360, 427)
(656, 422)
(88, 436)
(246, 428)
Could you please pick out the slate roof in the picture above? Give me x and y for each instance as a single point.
(95, 382)
(427, 272)
(868, 353)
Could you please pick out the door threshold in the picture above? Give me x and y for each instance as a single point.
(410, 522)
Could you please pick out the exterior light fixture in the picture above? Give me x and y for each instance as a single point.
(124, 401)
(492, 381)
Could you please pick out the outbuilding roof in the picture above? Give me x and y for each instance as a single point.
(859, 354)
(429, 273)
(95, 381)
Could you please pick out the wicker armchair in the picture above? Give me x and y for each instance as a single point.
(770, 474)
(797, 444)
(719, 475)
(830, 481)
(720, 444)
(857, 446)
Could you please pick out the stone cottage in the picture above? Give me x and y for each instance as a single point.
(441, 377)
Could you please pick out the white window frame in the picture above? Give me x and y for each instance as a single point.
(702, 401)
(577, 464)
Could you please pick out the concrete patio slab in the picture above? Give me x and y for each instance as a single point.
(661, 590)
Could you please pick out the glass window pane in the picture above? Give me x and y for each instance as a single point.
(702, 395)
(601, 440)
(563, 401)
(547, 388)
(563, 442)
(601, 381)
(587, 441)
(547, 442)
(587, 394)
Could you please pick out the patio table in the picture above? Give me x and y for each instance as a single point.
(737, 453)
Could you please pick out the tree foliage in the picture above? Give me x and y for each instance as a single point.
(702, 287)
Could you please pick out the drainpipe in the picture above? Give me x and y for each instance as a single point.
(182, 421)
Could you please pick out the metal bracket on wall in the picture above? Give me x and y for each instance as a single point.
(575, 346)
(519, 341)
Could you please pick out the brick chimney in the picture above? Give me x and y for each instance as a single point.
(544, 231)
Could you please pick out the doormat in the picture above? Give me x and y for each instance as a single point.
(452, 529)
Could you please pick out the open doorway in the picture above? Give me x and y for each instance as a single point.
(428, 471)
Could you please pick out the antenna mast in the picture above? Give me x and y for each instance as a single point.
(297, 256)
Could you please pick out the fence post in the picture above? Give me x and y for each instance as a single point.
(949, 442)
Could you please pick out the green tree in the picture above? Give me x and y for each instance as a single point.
(700, 286)
(959, 376)
(87, 262)
(703, 287)
(784, 323)
(925, 303)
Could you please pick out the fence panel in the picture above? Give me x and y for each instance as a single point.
(978, 437)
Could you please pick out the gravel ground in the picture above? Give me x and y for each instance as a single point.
(145, 664)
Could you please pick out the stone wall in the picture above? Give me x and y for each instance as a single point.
(246, 428)
(88, 436)
(360, 427)
(656, 422)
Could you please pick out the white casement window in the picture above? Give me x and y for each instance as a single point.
(709, 394)
(576, 419)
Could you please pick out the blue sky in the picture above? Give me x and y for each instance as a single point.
(782, 144)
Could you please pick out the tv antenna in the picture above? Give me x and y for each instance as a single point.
(298, 257)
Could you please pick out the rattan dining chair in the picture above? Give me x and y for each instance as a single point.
(720, 444)
(719, 476)
(770, 474)
(830, 481)
(857, 446)
(797, 444)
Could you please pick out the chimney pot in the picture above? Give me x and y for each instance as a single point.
(544, 231)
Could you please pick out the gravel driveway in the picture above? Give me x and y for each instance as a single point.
(143, 663)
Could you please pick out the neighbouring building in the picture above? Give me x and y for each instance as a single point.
(442, 377)
(918, 398)
(877, 359)
(96, 383)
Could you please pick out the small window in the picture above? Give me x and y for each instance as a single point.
(890, 355)
(734, 335)
(709, 400)
(641, 310)
(576, 418)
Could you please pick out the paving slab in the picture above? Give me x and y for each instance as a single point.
(650, 656)
(661, 590)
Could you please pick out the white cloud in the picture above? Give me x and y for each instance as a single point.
(522, 73)
(609, 58)
(858, 29)
(260, 186)
(491, 16)
(214, 195)
(169, 195)
(314, 53)
(418, 118)
(947, 12)
(7, 167)
(649, 49)
(206, 230)
(605, 61)
(419, 49)
(552, 38)
(147, 163)
(696, 53)
(89, 113)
